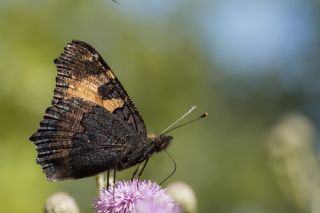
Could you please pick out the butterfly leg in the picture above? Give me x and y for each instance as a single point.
(143, 167)
(114, 180)
(141, 171)
(135, 171)
(108, 178)
(114, 176)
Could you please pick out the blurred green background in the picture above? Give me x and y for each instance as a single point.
(252, 65)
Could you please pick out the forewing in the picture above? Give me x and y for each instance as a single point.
(79, 138)
(83, 73)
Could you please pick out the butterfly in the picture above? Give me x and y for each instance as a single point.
(92, 125)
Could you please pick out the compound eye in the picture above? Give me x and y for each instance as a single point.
(159, 143)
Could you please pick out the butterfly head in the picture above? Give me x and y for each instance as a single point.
(160, 142)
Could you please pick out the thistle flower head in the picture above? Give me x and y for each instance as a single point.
(61, 202)
(125, 196)
(183, 195)
(149, 205)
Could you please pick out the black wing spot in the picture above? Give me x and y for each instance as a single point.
(107, 91)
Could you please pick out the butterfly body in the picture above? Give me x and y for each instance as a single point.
(92, 125)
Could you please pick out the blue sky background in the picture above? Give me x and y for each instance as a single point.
(246, 35)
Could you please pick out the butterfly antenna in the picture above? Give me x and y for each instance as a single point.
(204, 115)
(179, 119)
(174, 168)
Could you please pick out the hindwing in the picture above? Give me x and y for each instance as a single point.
(79, 138)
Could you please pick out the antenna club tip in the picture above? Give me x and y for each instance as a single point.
(204, 115)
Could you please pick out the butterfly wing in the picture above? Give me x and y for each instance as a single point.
(92, 121)
(83, 73)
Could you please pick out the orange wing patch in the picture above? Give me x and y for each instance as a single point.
(113, 104)
(87, 89)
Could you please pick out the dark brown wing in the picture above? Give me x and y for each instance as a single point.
(78, 138)
(92, 120)
(83, 73)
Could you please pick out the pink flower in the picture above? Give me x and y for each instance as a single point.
(134, 197)
(151, 206)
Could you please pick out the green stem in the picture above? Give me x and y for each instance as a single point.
(100, 182)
